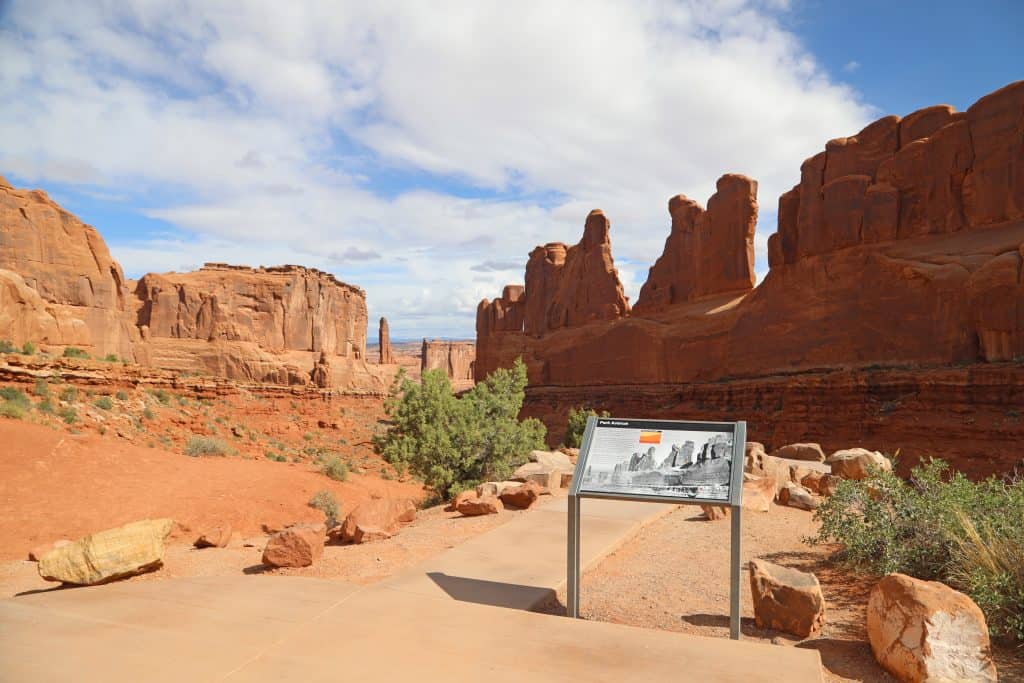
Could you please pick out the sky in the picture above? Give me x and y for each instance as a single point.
(421, 150)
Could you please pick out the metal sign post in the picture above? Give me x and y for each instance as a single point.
(581, 489)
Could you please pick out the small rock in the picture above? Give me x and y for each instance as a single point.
(238, 432)
(522, 497)
(827, 485)
(715, 512)
(926, 631)
(857, 463)
(296, 546)
(796, 496)
(758, 493)
(801, 451)
(551, 459)
(218, 537)
(484, 505)
(453, 505)
(786, 599)
(566, 480)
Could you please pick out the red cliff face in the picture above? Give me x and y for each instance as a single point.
(898, 257)
(708, 252)
(81, 288)
(455, 358)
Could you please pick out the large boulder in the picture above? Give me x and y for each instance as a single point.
(758, 493)
(801, 451)
(296, 546)
(453, 504)
(522, 496)
(108, 555)
(552, 459)
(495, 488)
(857, 463)
(761, 464)
(376, 519)
(543, 475)
(786, 599)
(926, 631)
(482, 505)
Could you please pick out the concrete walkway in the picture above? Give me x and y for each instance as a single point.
(461, 613)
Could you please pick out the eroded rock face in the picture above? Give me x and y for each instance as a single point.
(68, 265)
(916, 220)
(108, 555)
(708, 252)
(926, 631)
(455, 358)
(387, 356)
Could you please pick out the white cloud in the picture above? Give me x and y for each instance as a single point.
(266, 132)
(851, 66)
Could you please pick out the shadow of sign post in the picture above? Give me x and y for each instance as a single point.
(659, 461)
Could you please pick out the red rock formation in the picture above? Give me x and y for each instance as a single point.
(902, 247)
(708, 252)
(387, 356)
(67, 263)
(454, 357)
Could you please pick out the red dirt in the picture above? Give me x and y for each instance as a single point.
(62, 485)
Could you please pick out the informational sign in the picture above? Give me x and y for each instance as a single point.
(659, 461)
(691, 462)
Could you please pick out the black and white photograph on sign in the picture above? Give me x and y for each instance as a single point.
(629, 459)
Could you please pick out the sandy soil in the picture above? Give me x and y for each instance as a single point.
(674, 576)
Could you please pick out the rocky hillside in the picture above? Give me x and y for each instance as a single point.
(898, 257)
(59, 286)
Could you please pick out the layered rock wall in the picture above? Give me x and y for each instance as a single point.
(901, 250)
(68, 265)
(455, 358)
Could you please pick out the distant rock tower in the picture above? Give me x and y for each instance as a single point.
(387, 357)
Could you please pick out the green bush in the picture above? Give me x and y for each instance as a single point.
(110, 358)
(103, 403)
(69, 394)
(325, 502)
(148, 413)
(14, 395)
(69, 415)
(73, 352)
(450, 441)
(160, 395)
(577, 423)
(29, 349)
(335, 468)
(45, 406)
(12, 409)
(938, 525)
(41, 388)
(6, 346)
(206, 445)
(121, 396)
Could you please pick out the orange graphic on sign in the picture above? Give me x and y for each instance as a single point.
(650, 437)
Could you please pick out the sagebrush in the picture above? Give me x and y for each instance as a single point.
(936, 525)
(206, 445)
(455, 442)
(325, 502)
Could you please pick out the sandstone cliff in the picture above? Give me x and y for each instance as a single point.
(59, 286)
(387, 356)
(456, 358)
(68, 265)
(901, 247)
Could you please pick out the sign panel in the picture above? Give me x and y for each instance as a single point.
(686, 462)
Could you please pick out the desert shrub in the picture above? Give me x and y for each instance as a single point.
(325, 502)
(148, 413)
(74, 352)
(12, 409)
(335, 468)
(103, 403)
(45, 406)
(110, 358)
(206, 445)
(448, 440)
(69, 415)
(160, 395)
(28, 348)
(41, 388)
(308, 436)
(69, 394)
(121, 396)
(577, 423)
(14, 395)
(6, 346)
(937, 525)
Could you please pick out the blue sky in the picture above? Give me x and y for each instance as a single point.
(421, 154)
